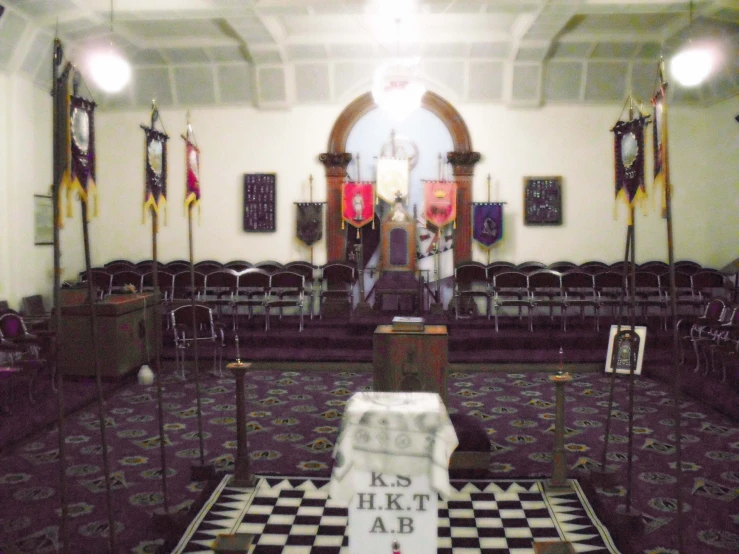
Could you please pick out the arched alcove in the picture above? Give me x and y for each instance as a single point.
(336, 160)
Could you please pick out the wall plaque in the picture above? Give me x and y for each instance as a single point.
(542, 199)
(260, 197)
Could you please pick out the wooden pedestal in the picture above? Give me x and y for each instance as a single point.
(411, 361)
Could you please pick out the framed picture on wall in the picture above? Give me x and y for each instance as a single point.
(625, 346)
(542, 200)
(260, 197)
(43, 220)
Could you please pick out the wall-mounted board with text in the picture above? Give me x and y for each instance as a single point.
(542, 200)
(260, 198)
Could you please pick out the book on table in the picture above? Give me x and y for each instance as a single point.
(401, 323)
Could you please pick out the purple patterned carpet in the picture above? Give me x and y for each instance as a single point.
(294, 418)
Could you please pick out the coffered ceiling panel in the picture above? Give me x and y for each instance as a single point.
(521, 52)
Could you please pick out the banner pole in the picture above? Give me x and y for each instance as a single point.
(58, 171)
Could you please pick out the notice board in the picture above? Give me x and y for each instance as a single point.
(260, 197)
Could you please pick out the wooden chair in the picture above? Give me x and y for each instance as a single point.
(657, 267)
(102, 282)
(545, 291)
(177, 266)
(120, 281)
(237, 265)
(253, 286)
(593, 267)
(493, 268)
(208, 266)
(511, 288)
(34, 312)
(707, 284)
(269, 266)
(219, 291)
(195, 323)
(530, 267)
(562, 266)
(21, 351)
(470, 283)
(119, 265)
(690, 329)
(308, 271)
(610, 288)
(337, 285)
(649, 293)
(687, 266)
(182, 288)
(286, 289)
(578, 288)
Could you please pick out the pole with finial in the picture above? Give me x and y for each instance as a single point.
(559, 472)
(488, 203)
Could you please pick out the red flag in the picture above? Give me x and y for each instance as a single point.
(441, 202)
(358, 203)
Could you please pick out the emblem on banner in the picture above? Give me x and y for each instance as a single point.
(155, 192)
(192, 162)
(358, 203)
(487, 222)
(441, 202)
(629, 160)
(309, 222)
(80, 174)
(392, 178)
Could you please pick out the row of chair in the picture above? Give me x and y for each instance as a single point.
(575, 288)
(714, 337)
(203, 266)
(252, 288)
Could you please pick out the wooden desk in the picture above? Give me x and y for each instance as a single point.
(411, 361)
(125, 332)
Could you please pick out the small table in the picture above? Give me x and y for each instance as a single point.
(391, 459)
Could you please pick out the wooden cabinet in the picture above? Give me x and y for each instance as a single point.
(125, 327)
(411, 361)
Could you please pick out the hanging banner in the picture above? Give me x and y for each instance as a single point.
(192, 167)
(659, 134)
(79, 176)
(441, 202)
(358, 203)
(487, 222)
(309, 222)
(392, 178)
(629, 160)
(155, 191)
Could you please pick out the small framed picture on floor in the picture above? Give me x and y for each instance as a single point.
(626, 349)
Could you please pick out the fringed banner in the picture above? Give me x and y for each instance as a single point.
(392, 178)
(629, 159)
(62, 147)
(79, 176)
(358, 203)
(309, 223)
(441, 202)
(659, 101)
(487, 222)
(192, 169)
(155, 189)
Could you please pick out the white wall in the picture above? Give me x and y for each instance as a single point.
(25, 170)
(574, 142)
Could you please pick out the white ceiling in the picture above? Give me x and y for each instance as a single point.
(277, 53)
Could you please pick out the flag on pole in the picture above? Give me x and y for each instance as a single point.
(487, 222)
(659, 102)
(392, 178)
(629, 161)
(155, 170)
(192, 170)
(79, 175)
(358, 203)
(441, 202)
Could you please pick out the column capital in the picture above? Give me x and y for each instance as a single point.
(463, 163)
(335, 163)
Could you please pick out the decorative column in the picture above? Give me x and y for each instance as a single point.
(463, 167)
(335, 174)
(559, 473)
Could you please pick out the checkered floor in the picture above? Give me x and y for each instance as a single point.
(295, 515)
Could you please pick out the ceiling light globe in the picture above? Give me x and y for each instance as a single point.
(109, 70)
(691, 66)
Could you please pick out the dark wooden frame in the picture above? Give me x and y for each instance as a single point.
(272, 182)
(529, 203)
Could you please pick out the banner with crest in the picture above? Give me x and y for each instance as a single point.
(392, 178)
(192, 170)
(309, 222)
(441, 202)
(659, 134)
(79, 176)
(358, 203)
(629, 160)
(487, 222)
(155, 191)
